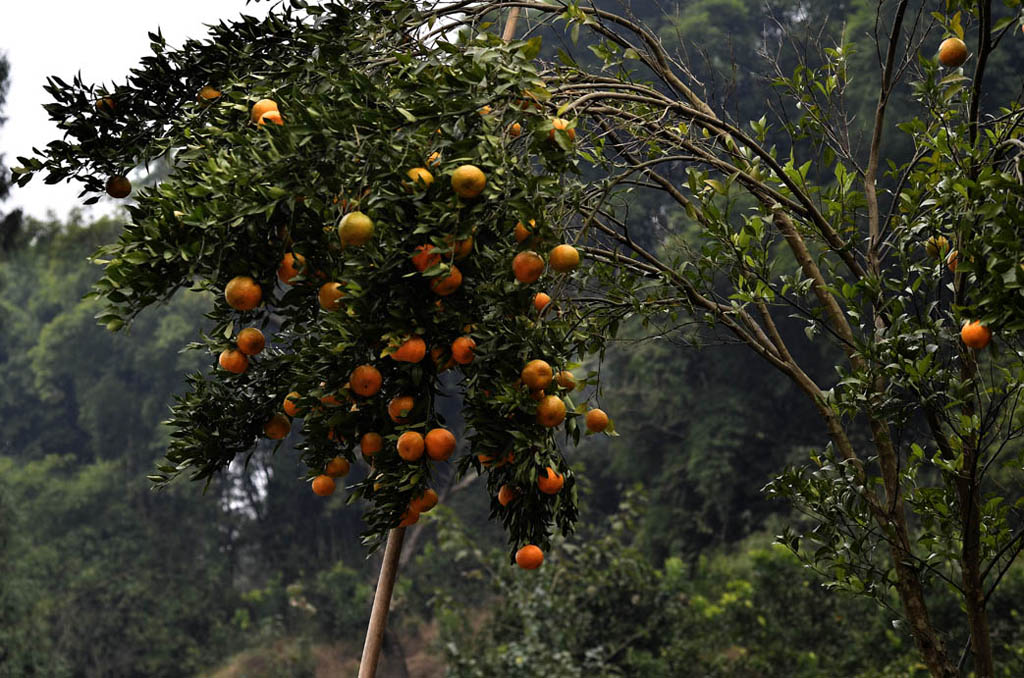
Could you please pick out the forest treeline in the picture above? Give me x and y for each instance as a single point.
(673, 574)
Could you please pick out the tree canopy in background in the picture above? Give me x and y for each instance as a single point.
(10, 223)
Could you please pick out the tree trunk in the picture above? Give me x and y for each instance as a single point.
(970, 561)
(908, 579)
(927, 641)
(510, 25)
(381, 604)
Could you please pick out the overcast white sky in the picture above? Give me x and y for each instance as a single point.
(102, 39)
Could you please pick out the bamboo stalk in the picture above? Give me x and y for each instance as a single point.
(510, 25)
(381, 604)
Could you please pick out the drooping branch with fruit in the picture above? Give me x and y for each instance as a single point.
(302, 196)
(874, 261)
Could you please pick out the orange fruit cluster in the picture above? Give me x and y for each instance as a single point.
(384, 406)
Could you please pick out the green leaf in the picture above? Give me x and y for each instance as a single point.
(531, 48)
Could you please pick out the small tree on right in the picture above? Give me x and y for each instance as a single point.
(912, 268)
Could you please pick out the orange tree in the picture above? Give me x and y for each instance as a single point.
(341, 186)
(914, 500)
(908, 264)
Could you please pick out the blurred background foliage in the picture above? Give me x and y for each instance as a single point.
(674, 573)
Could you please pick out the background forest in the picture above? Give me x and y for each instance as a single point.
(673, 573)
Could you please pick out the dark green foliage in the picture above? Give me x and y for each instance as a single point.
(599, 608)
(363, 103)
(170, 591)
(703, 448)
(67, 388)
(101, 576)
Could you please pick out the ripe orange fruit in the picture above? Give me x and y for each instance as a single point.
(291, 407)
(118, 186)
(561, 124)
(106, 105)
(529, 557)
(410, 445)
(278, 427)
(323, 485)
(506, 495)
(527, 267)
(365, 380)
(443, 285)
(440, 444)
(462, 248)
(566, 379)
(271, 116)
(207, 93)
(484, 110)
(233, 360)
(434, 159)
(537, 375)
(370, 444)
(537, 395)
(260, 107)
(412, 350)
(550, 411)
(251, 341)
(462, 350)
(425, 258)
(424, 502)
(290, 266)
(515, 129)
(597, 420)
(952, 53)
(522, 232)
(242, 293)
(400, 407)
(540, 301)
(420, 176)
(468, 181)
(408, 518)
(355, 229)
(550, 482)
(564, 258)
(338, 467)
(330, 295)
(975, 335)
(951, 261)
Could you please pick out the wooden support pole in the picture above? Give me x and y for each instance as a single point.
(381, 604)
(510, 25)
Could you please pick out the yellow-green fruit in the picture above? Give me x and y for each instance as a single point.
(355, 229)
(936, 245)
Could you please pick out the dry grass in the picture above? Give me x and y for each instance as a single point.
(288, 656)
